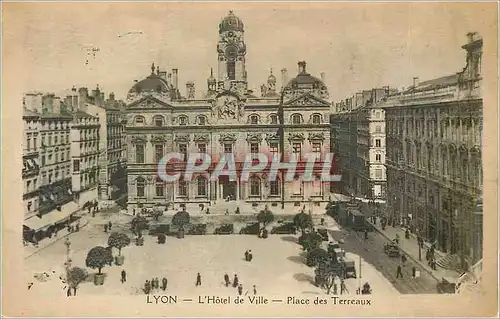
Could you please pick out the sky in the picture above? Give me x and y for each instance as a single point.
(358, 45)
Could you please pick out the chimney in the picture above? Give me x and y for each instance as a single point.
(56, 104)
(189, 90)
(415, 81)
(302, 67)
(323, 77)
(73, 89)
(111, 96)
(169, 79)
(83, 94)
(284, 77)
(163, 75)
(176, 78)
(48, 103)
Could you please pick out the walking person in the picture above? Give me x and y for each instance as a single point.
(226, 280)
(235, 281)
(413, 272)
(250, 256)
(254, 289)
(246, 255)
(164, 283)
(198, 280)
(109, 225)
(399, 273)
(147, 287)
(366, 234)
(403, 259)
(124, 276)
(106, 228)
(240, 289)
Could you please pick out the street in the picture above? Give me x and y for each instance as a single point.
(372, 250)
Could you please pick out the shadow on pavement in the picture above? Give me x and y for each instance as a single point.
(290, 239)
(296, 259)
(304, 277)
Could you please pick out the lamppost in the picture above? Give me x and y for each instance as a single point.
(67, 264)
(419, 239)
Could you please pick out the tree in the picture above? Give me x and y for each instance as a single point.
(139, 223)
(181, 219)
(76, 275)
(265, 217)
(98, 257)
(327, 272)
(302, 221)
(316, 256)
(118, 241)
(310, 241)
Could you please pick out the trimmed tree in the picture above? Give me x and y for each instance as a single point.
(181, 219)
(316, 256)
(76, 275)
(310, 241)
(303, 221)
(118, 241)
(97, 258)
(265, 217)
(139, 223)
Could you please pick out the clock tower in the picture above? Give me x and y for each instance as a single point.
(231, 51)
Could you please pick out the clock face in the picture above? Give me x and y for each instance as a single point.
(231, 52)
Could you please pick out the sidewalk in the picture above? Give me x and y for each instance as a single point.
(410, 248)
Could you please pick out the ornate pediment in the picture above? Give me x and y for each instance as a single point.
(306, 100)
(316, 136)
(182, 138)
(296, 137)
(150, 102)
(158, 139)
(272, 137)
(201, 138)
(139, 139)
(254, 137)
(227, 137)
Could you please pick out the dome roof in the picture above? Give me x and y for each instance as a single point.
(231, 23)
(153, 83)
(305, 80)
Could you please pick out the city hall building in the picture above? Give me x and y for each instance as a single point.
(230, 118)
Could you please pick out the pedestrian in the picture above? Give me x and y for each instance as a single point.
(147, 287)
(68, 292)
(399, 273)
(157, 283)
(106, 228)
(342, 287)
(366, 234)
(403, 259)
(235, 281)
(240, 289)
(413, 272)
(124, 276)
(250, 256)
(77, 228)
(198, 280)
(164, 283)
(335, 288)
(246, 255)
(133, 211)
(254, 289)
(322, 221)
(109, 225)
(226, 280)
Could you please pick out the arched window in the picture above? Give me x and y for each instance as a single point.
(160, 188)
(202, 120)
(202, 186)
(140, 185)
(183, 188)
(158, 120)
(139, 120)
(254, 186)
(183, 120)
(296, 119)
(273, 119)
(254, 119)
(274, 187)
(316, 119)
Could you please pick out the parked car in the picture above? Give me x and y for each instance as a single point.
(160, 229)
(250, 229)
(226, 229)
(284, 229)
(392, 250)
(350, 269)
(200, 229)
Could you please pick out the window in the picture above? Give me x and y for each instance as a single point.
(140, 184)
(316, 119)
(274, 188)
(158, 153)
(254, 186)
(76, 166)
(29, 206)
(158, 121)
(254, 119)
(34, 143)
(55, 140)
(28, 186)
(183, 151)
(28, 144)
(50, 178)
(202, 186)
(377, 143)
(378, 129)
(274, 119)
(50, 140)
(254, 148)
(378, 173)
(202, 148)
(273, 148)
(296, 150)
(139, 153)
(316, 147)
(182, 120)
(202, 120)
(378, 158)
(159, 189)
(139, 120)
(183, 187)
(43, 160)
(62, 156)
(228, 148)
(296, 119)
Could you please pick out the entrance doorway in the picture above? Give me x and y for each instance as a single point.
(229, 190)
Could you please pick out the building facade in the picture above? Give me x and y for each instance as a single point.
(31, 163)
(434, 168)
(229, 119)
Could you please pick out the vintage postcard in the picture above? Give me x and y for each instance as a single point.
(249, 159)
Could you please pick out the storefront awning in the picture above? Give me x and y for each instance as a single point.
(51, 218)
